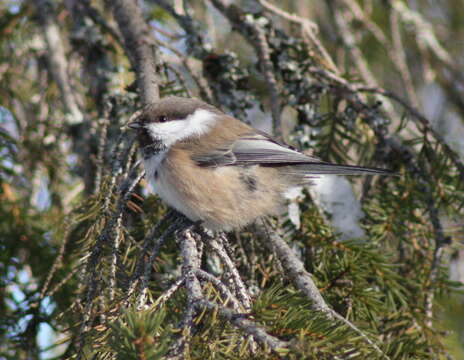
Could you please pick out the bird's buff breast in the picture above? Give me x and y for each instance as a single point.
(223, 198)
(162, 184)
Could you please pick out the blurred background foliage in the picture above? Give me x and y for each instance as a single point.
(376, 83)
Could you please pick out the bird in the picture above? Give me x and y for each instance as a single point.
(217, 170)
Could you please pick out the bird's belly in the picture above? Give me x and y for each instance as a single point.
(224, 198)
(173, 197)
(165, 186)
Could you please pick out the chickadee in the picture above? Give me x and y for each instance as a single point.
(216, 169)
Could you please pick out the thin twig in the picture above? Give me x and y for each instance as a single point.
(424, 31)
(267, 68)
(310, 29)
(247, 326)
(370, 25)
(425, 184)
(394, 48)
(102, 141)
(119, 154)
(114, 259)
(63, 281)
(399, 58)
(240, 288)
(98, 19)
(180, 77)
(221, 287)
(200, 81)
(58, 262)
(165, 296)
(440, 242)
(247, 25)
(153, 251)
(149, 247)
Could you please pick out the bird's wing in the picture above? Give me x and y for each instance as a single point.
(260, 149)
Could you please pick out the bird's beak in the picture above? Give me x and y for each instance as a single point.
(135, 125)
(133, 122)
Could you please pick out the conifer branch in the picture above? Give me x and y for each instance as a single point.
(197, 301)
(106, 237)
(302, 279)
(123, 278)
(352, 94)
(422, 120)
(248, 326)
(293, 267)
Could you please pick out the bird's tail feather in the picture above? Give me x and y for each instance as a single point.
(335, 169)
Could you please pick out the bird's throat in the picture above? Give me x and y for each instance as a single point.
(149, 146)
(152, 149)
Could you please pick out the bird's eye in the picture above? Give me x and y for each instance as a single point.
(163, 118)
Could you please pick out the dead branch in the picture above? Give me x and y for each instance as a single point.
(58, 63)
(139, 46)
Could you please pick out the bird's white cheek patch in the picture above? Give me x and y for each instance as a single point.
(175, 130)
